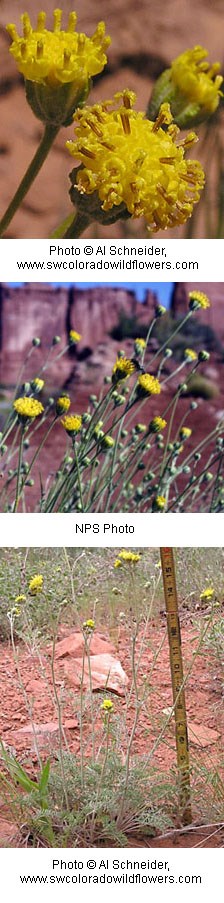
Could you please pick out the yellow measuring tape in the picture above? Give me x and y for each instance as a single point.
(176, 667)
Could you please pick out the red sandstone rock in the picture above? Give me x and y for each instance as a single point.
(201, 735)
(74, 645)
(49, 727)
(36, 309)
(106, 673)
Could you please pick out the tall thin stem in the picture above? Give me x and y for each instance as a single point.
(18, 493)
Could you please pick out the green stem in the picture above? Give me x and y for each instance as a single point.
(78, 226)
(31, 173)
(18, 493)
(78, 475)
(42, 443)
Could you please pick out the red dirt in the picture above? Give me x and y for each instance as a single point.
(204, 707)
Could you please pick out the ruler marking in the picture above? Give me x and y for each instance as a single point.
(176, 665)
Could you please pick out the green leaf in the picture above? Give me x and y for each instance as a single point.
(44, 778)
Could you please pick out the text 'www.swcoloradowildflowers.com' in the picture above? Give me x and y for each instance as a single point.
(108, 266)
(111, 879)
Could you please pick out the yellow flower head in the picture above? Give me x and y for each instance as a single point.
(27, 408)
(160, 311)
(20, 598)
(74, 337)
(198, 300)
(157, 424)
(129, 557)
(63, 404)
(128, 160)
(139, 346)
(37, 384)
(107, 442)
(107, 706)
(148, 385)
(88, 625)
(207, 594)
(190, 355)
(122, 369)
(185, 433)
(160, 503)
(58, 57)
(36, 584)
(72, 424)
(196, 79)
(117, 563)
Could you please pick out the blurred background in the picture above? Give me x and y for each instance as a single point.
(145, 37)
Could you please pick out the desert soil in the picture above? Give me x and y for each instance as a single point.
(204, 708)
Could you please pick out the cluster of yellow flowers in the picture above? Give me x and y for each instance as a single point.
(196, 79)
(127, 558)
(27, 408)
(58, 57)
(72, 424)
(207, 594)
(36, 584)
(130, 160)
(130, 164)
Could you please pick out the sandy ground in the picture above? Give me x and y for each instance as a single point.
(204, 708)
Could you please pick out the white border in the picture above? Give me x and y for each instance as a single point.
(102, 530)
(95, 260)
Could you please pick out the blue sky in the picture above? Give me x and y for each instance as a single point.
(162, 289)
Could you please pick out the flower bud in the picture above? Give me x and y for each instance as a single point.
(57, 65)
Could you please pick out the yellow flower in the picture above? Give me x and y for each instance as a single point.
(27, 408)
(37, 384)
(36, 584)
(74, 337)
(20, 598)
(160, 503)
(185, 433)
(139, 346)
(190, 355)
(88, 625)
(16, 611)
(122, 369)
(132, 163)
(58, 57)
(72, 424)
(160, 311)
(117, 563)
(157, 424)
(129, 556)
(198, 300)
(207, 594)
(63, 404)
(107, 442)
(107, 706)
(148, 385)
(196, 79)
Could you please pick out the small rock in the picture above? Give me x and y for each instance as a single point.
(106, 673)
(49, 727)
(74, 645)
(201, 735)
